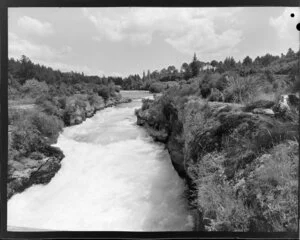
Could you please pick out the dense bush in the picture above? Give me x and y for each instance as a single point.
(146, 103)
(26, 141)
(35, 88)
(51, 106)
(104, 92)
(157, 87)
(48, 126)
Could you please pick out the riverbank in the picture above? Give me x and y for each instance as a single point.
(239, 162)
(39, 165)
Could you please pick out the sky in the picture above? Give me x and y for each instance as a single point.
(129, 40)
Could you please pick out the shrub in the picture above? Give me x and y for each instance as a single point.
(112, 91)
(49, 106)
(48, 126)
(216, 95)
(240, 90)
(188, 89)
(104, 92)
(93, 98)
(27, 140)
(35, 88)
(205, 86)
(221, 83)
(146, 103)
(62, 101)
(156, 87)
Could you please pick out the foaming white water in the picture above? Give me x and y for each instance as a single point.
(113, 178)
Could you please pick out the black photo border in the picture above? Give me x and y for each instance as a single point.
(4, 5)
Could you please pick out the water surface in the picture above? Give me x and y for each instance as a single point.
(113, 178)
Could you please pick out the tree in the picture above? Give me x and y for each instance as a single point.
(247, 61)
(290, 53)
(172, 70)
(26, 70)
(186, 71)
(229, 63)
(267, 59)
(214, 63)
(195, 66)
(144, 75)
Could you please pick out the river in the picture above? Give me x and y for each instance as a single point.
(114, 177)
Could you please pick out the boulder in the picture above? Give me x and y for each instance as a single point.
(267, 111)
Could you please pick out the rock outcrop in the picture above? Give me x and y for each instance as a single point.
(28, 171)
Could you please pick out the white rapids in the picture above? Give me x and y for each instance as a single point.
(113, 178)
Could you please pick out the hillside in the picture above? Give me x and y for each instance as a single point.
(233, 135)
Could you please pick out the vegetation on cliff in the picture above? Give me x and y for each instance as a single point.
(233, 135)
(41, 102)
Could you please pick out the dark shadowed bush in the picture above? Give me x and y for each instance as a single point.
(104, 92)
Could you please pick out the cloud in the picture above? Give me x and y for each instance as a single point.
(45, 55)
(35, 26)
(97, 38)
(285, 26)
(186, 29)
(18, 47)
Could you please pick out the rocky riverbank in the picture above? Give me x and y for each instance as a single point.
(239, 162)
(40, 166)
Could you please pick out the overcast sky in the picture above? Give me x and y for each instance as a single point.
(123, 41)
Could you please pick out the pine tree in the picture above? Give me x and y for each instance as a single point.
(195, 66)
(144, 75)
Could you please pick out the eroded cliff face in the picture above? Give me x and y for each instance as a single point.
(227, 153)
(40, 167)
